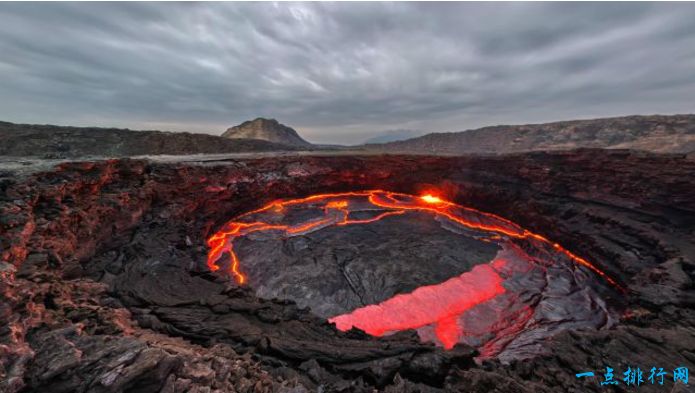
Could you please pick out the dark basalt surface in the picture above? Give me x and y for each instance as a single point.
(104, 286)
(338, 269)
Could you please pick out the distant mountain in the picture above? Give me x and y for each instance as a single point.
(267, 130)
(49, 141)
(392, 136)
(655, 133)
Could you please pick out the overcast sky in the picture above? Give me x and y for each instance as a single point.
(342, 72)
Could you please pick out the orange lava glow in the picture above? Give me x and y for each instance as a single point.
(431, 199)
(336, 212)
(445, 302)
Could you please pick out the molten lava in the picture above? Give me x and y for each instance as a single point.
(336, 212)
(440, 307)
(446, 301)
(429, 198)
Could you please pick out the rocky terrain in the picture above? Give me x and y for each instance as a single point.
(105, 287)
(47, 141)
(675, 134)
(268, 130)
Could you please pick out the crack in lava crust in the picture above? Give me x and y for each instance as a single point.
(441, 306)
(337, 213)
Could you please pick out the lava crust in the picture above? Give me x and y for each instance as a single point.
(324, 252)
(105, 283)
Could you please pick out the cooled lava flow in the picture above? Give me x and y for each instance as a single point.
(336, 209)
(486, 306)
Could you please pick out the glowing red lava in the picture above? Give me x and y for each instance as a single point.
(336, 213)
(441, 305)
(445, 301)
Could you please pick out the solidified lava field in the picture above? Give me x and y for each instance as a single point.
(346, 273)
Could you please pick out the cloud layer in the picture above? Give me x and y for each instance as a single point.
(342, 72)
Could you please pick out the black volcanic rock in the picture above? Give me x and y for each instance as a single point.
(352, 267)
(674, 134)
(267, 130)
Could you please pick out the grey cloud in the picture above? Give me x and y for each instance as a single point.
(338, 71)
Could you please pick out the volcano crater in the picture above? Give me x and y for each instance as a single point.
(112, 257)
(385, 262)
